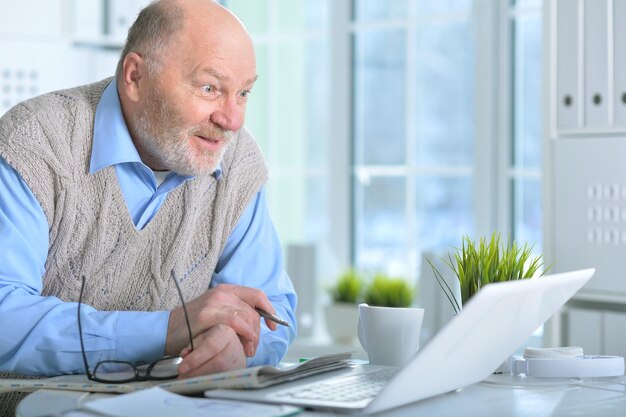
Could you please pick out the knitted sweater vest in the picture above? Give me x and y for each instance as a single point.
(48, 140)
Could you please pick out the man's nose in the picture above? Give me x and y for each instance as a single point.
(229, 115)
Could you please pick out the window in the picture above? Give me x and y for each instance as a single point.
(413, 130)
(419, 148)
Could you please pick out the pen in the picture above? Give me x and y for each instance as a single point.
(271, 316)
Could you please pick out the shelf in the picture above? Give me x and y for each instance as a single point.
(582, 132)
(599, 301)
(102, 42)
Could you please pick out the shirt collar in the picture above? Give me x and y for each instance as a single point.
(112, 143)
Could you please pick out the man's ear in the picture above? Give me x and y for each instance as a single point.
(134, 70)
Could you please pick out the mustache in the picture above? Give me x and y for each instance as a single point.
(214, 132)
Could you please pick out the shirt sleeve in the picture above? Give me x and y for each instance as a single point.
(40, 334)
(253, 257)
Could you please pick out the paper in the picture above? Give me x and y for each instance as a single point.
(156, 402)
(258, 376)
(70, 383)
(255, 377)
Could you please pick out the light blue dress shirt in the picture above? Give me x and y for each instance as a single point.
(39, 335)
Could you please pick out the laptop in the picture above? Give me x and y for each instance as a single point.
(490, 327)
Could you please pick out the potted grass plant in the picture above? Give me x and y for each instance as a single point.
(385, 291)
(342, 313)
(486, 261)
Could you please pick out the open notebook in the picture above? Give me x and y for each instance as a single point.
(254, 377)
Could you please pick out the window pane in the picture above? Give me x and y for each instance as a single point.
(527, 93)
(302, 96)
(445, 95)
(365, 10)
(257, 110)
(253, 14)
(316, 88)
(380, 220)
(315, 227)
(291, 145)
(297, 205)
(528, 3)
(380, 73)
(388, 259)
(439, 6)
(444, 211)
(527, 212)
(302, 14)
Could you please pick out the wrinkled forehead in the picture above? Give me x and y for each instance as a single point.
(207, 41)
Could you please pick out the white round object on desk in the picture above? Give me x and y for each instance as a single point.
(588, 366)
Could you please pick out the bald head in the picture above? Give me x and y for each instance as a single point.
(167, 24)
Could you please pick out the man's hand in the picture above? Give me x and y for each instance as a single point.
(216, 350)
(226, 304)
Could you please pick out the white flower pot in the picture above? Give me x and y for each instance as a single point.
(341, 322)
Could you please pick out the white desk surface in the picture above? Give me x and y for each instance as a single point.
(499, 395)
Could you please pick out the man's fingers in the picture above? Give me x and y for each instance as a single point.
(257, 298)
(228, 304)
(253, 297)
(218, 350)
(271, 324)
(244, 320)
(249, 348)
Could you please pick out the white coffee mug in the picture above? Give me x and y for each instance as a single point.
(389, 335)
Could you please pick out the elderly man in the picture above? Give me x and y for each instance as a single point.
(127, 184)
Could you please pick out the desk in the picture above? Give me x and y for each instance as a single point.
(495, 397)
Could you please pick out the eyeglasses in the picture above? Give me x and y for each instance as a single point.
(123, 371)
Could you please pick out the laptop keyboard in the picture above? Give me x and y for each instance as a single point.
(351, 388)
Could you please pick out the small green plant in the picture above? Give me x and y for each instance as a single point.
(385, 291)
(348, 287)
(485, 262)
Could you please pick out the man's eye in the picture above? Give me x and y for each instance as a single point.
(208, 89)
(244, 93)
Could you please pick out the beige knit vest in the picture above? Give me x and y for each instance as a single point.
(48, 141)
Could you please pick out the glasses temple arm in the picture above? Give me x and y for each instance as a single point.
(80, 329)
(182, 300)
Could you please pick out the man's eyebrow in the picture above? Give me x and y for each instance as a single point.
(222, 77)
(253, 79)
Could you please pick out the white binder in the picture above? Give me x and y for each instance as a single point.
(568, 97)
(619, 60)
(596, 55)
